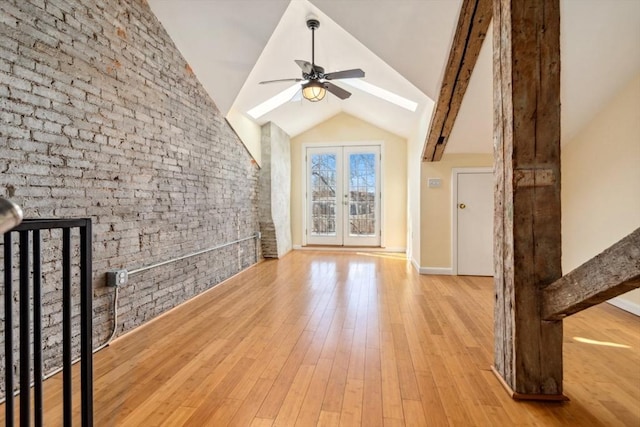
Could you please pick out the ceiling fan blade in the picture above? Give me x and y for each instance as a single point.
(305, 66)
(280, 80)
(336, 90)
(346, 74)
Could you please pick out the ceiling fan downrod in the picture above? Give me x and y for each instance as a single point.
(312, 24)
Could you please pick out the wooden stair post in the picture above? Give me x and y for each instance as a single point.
(527, 246)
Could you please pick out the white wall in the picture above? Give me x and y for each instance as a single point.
(248, 131)
(415, 146)
(601, 184)
(436, 208)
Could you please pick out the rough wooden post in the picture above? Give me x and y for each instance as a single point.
(527, 248)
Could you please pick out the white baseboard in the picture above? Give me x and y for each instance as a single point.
(396, 249)
(348, 249)
(442, 271)
(626, 305)
(415, 264)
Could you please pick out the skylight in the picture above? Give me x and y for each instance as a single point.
(381, 93)
(274, 102)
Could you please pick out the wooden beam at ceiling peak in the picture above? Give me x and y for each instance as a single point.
(473, 23)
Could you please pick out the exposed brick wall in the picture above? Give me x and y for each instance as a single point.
(101, 117)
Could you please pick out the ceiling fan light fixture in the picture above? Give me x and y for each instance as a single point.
(313, 91)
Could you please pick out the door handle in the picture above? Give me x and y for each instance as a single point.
(462, 206)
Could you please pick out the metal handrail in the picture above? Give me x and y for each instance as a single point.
(31, 315)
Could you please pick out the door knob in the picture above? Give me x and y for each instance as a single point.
(462, 206)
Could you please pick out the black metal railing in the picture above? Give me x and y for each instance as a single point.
(30, 278)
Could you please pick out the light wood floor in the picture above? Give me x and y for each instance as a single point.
(352, 340)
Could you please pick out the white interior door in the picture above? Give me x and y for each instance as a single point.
(343, 196)
(474, 209)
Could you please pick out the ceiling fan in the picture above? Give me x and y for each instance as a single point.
(315, 80)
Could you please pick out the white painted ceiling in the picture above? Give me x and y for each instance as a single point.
(233, 44)
(600, 49)
(335, 50)
(401, 44)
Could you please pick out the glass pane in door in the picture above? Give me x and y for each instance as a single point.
(323, 194)
(362, 194)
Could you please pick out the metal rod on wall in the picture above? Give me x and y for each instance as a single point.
(149, 267)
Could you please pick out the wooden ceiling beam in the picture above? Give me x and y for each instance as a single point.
(473, 23)
(611, 273)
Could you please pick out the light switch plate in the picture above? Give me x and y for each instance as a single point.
(434, 182)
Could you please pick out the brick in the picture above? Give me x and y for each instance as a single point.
(51, 94)
(52, 116)
(16, 107)
(68, 192)
(54, 10)
(28, 145)
(59, 78)
(69, 110)
(50, 138)
(70, 212)
(70, 131)
(29, 98)
(99, 101)
(86, 135)
(45, 160)
(33, 123)
(15, 155)
(33, 192)
(16, 82)
(52, 127)
(80, 164)
(5, 66)
(10, 118)
(35, 77)
(8, 43)
(86, 87)
(28, 169)
(65, 87)
(14, 132)
(8, 20)
(66, 172)
(24, 61)
(46, 181)
(66, 152)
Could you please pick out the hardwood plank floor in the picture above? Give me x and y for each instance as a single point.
(350, 339)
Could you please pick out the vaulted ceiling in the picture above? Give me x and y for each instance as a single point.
(401, 44)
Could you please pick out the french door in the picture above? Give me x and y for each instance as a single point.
(343, 195)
